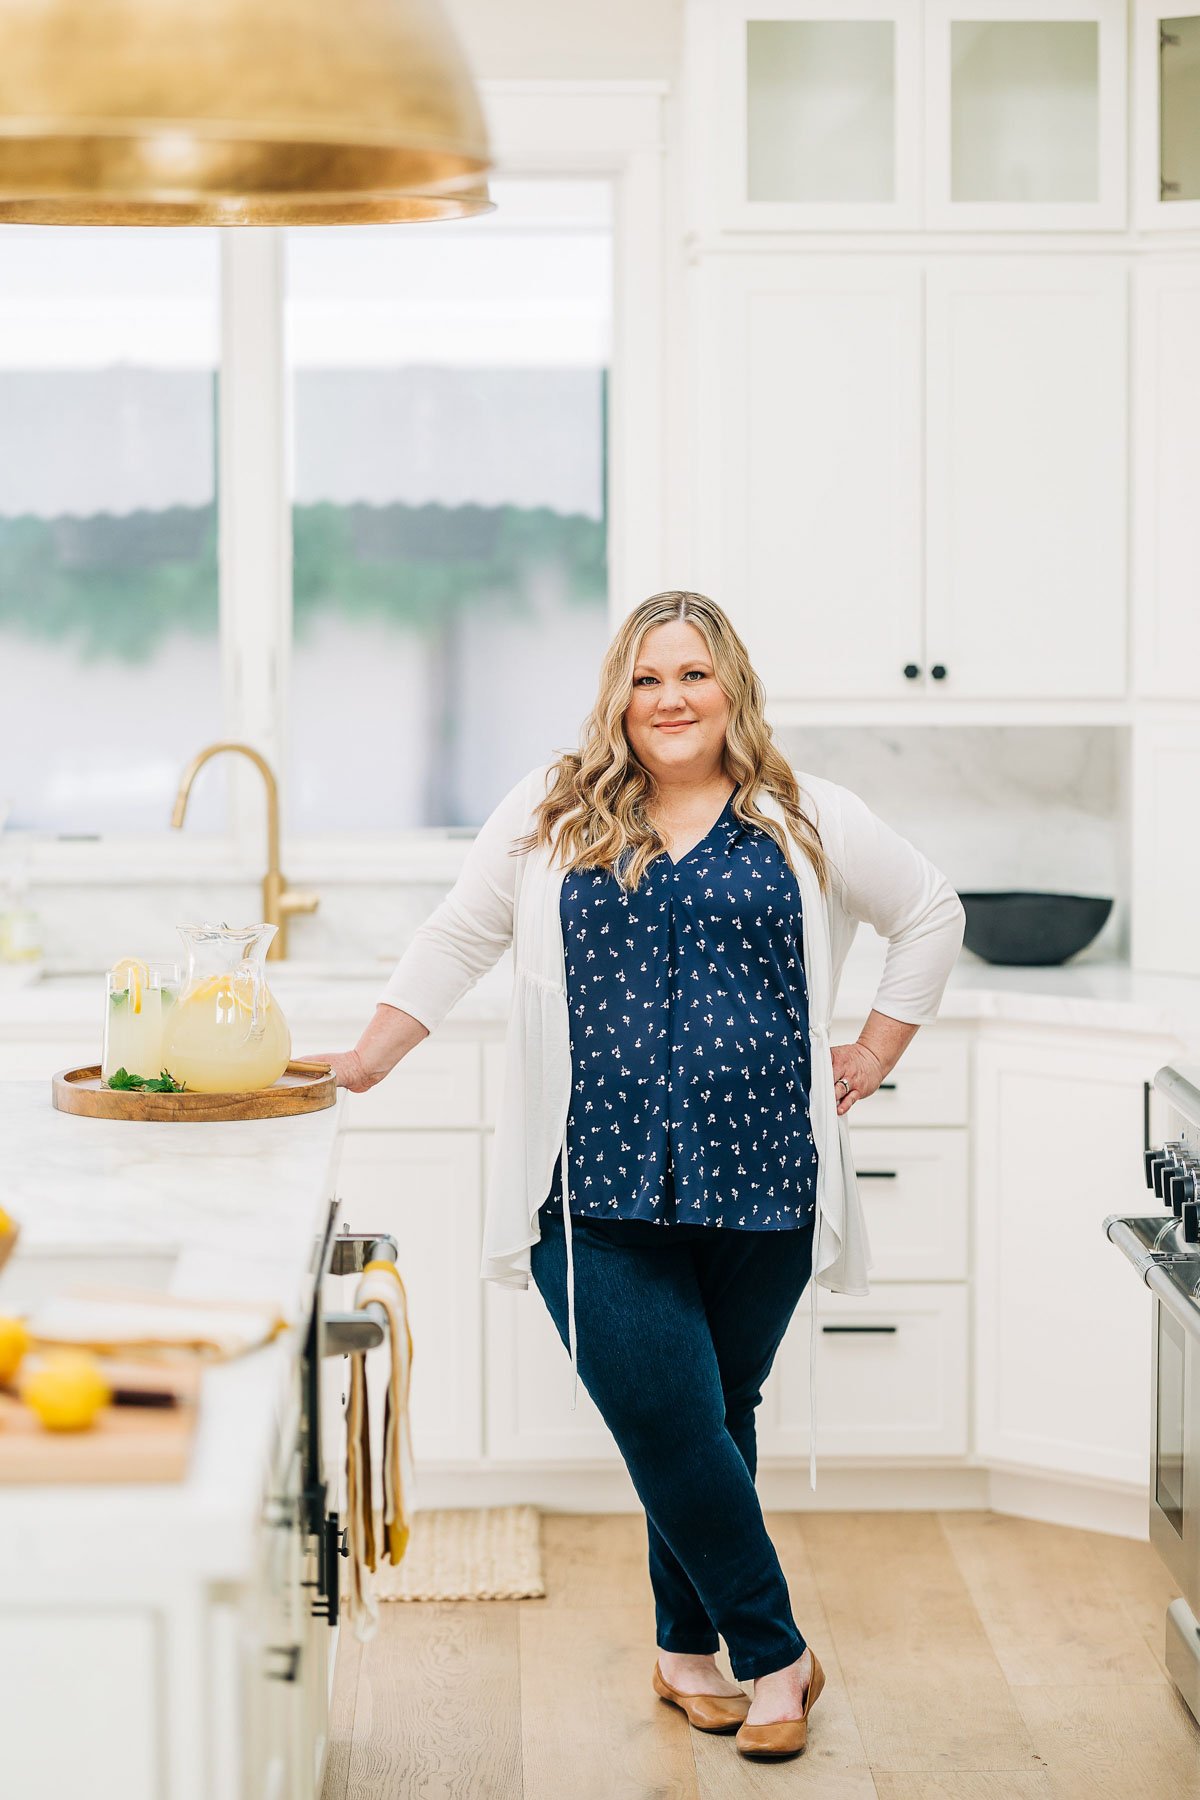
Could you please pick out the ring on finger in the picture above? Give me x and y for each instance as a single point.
(842, 1079)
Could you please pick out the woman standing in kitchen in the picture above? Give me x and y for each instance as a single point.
(672, 1160)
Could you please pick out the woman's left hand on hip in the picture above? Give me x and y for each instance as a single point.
(857, 1072)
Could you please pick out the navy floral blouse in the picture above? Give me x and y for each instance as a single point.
(690, 1055)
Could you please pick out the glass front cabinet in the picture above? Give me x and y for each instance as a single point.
(1167, 152)
(927, 114)
(824, 112)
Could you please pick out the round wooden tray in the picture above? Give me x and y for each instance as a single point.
(302, 1088)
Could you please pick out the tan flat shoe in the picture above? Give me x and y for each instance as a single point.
(707, 1712)
(785, 1737)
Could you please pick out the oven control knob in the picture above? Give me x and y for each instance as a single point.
(1181, 1185)
(1164, 1162)
(1178, 1185)
(1191, 1222)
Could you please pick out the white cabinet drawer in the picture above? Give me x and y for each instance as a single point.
(891, 1375)
(436, 1084)
(928, 1086)
(913, 1186)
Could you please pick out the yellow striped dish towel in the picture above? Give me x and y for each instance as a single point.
(380, 1282)
(360, 1520)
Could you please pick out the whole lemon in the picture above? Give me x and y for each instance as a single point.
(14, 1342)
(65, 1389)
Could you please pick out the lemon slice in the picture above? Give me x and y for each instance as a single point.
(243, 984)
(131, 972)
(228, 990)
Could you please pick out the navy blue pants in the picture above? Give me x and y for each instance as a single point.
(676, 1330)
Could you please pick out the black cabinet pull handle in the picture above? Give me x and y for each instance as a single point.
(887, 1330)
(886, 1087)
(876, 1174)
(291, 1661)
(938, 671)
(911, 671)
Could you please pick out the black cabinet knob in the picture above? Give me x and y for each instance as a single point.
(938, 671)
(911, 671)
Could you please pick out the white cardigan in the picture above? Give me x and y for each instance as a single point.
(499, 900)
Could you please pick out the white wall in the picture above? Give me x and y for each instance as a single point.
(597, 40)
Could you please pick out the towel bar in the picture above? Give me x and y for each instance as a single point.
(347, 1333)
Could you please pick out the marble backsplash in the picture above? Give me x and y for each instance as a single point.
(994, 807)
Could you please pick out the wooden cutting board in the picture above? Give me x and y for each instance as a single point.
(302, 1088)
(126, 1443)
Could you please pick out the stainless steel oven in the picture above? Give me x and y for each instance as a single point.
(1164, 1247)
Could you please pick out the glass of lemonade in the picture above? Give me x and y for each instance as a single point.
(138, 997)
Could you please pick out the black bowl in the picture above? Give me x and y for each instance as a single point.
(1033, 930)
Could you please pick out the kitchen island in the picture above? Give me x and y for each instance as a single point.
(155, 1639)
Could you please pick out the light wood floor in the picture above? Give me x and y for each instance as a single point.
(968, 1656)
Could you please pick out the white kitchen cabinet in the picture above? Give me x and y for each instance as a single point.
(1024, 114)
(1166, 108)
(436, 1084)
(1027, 370)
(816, 121)
(424, 1188)
(808, 465)
(875, 541)
(527, 1387)
(892, 1369)
(1062, 1336)
(1166, 461)
(891, 1375)
(106, 1662)
(977, 115)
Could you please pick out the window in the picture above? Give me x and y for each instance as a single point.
(421, 414)
(449, 523)
(109, 654)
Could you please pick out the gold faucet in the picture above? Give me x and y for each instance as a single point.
(279, 901)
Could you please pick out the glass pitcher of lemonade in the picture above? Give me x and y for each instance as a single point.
(226, 1034)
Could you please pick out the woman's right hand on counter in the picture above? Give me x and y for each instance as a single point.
(390, 1035)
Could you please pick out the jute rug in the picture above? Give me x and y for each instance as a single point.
(480, 1553)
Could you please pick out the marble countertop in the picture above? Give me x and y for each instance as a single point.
(230, 1209)
(1087, 995)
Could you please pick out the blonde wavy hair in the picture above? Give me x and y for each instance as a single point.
(596, 795)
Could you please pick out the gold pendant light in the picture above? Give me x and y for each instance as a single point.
(403, 209)
(224, 112)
